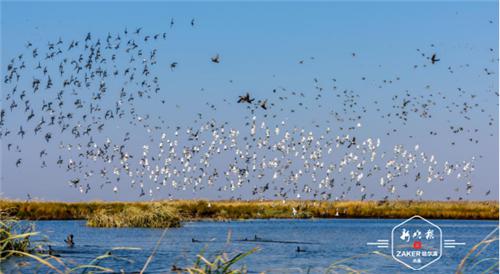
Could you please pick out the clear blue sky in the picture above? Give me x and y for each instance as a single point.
(260, 45)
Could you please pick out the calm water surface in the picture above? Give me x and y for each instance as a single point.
(324, 242)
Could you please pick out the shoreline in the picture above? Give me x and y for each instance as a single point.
(204, 210)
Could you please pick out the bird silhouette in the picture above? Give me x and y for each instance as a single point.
(434, 59)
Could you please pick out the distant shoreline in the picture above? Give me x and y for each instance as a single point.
(193, 210)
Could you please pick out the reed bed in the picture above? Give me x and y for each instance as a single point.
(14, 238)
(187, 210)
(155, 215)
(223, 264)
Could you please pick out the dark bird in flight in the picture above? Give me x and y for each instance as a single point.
(434, 59)
(263, 104)
(215, 59)
(245, 99)
(75, 182)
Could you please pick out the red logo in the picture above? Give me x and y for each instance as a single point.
(417, 244)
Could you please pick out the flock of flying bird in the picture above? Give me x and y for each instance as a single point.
(71, 94)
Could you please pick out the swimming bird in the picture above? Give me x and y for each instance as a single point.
(69, 240)
(299, 249)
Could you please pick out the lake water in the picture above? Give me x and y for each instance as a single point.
(324, 242)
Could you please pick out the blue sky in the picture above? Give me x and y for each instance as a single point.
(260, 46)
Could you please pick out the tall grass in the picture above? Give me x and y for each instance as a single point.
(14, 238)
(473, 262)
(155, 215)
(221, 264)
(226, 210)
(341, 209)
(15, 241)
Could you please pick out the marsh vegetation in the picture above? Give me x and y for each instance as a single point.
(171, 213)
